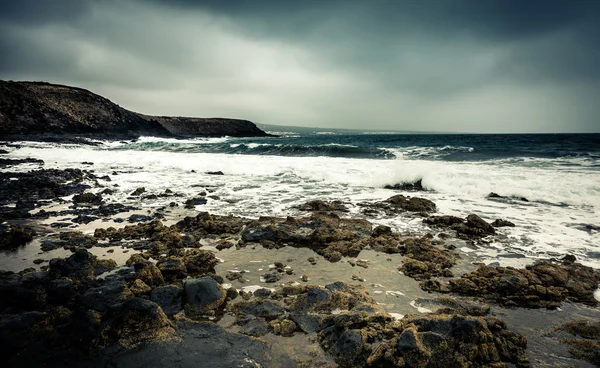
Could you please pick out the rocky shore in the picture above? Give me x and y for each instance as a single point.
(51, 112)
(113, 284)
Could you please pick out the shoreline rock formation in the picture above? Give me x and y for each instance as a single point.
(45, 111)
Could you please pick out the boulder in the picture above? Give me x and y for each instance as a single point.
(168, 298)
(202, 295)
(133, 322)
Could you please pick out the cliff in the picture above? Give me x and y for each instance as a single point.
(208, 127)
(44, 109)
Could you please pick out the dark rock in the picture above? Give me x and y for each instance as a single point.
(262, 293)
(382, 230)
(542, 285)
(84, 219)
(102, 297)
(271, 277)
(266, 309)
(14, 236)
(133, 322)
(319, 205)
(202, 295)
(214, 173)
(502, 223)
(256, 327)
(192, 203)
(168, 298)
(88, 197)
(172, 268)
(407, 186)
(138, 191)
(139, 218)
(412, 204)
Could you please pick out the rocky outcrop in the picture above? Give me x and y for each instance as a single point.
(207, 127)
(47, 110)
(542, 285)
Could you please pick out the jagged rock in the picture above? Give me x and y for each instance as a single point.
(81, 267)
(149, 273)
(133, 322)
(408, 186)
(202, 295)
(412, 204)
(542, 285)
(423, 260)
(139, 191)
(15, 236)
(442, 340)
(324, 206)
(172, 268)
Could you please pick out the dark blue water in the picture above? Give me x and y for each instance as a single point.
(576, 149)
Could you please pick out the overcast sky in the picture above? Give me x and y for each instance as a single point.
(433, 65)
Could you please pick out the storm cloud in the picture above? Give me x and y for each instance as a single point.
(434, 65)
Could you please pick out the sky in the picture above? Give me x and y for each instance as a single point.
(431, 65)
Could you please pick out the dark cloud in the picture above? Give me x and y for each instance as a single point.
(36, 12)
(462, 65)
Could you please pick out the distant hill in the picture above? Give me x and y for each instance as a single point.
(39, 108)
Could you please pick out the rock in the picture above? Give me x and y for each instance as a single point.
(139, 288)
(81, 267)
(585, 343)
(502, 223)
(15, 236)
(445, 221)
(139, 218)
(133, 322)
(476, 222)
(382, 230)
(271, 277)
(202, 295)
(199, 262)
(214, 173)
(147, 272)
(408, 186)
(441, 340)
(138, 191)
(89, 198)
(168, 298)
(266, 309)
(193, 202)
(102, 297)
(256, 327)
(412, 204)
(319, 205)
(172, 268)
(262, 293)
(542, 285)
(61, 291)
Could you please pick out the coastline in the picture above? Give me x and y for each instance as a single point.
(185, 237)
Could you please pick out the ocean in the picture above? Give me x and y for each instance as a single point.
(557, 174)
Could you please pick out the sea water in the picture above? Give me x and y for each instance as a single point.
(558, 174)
